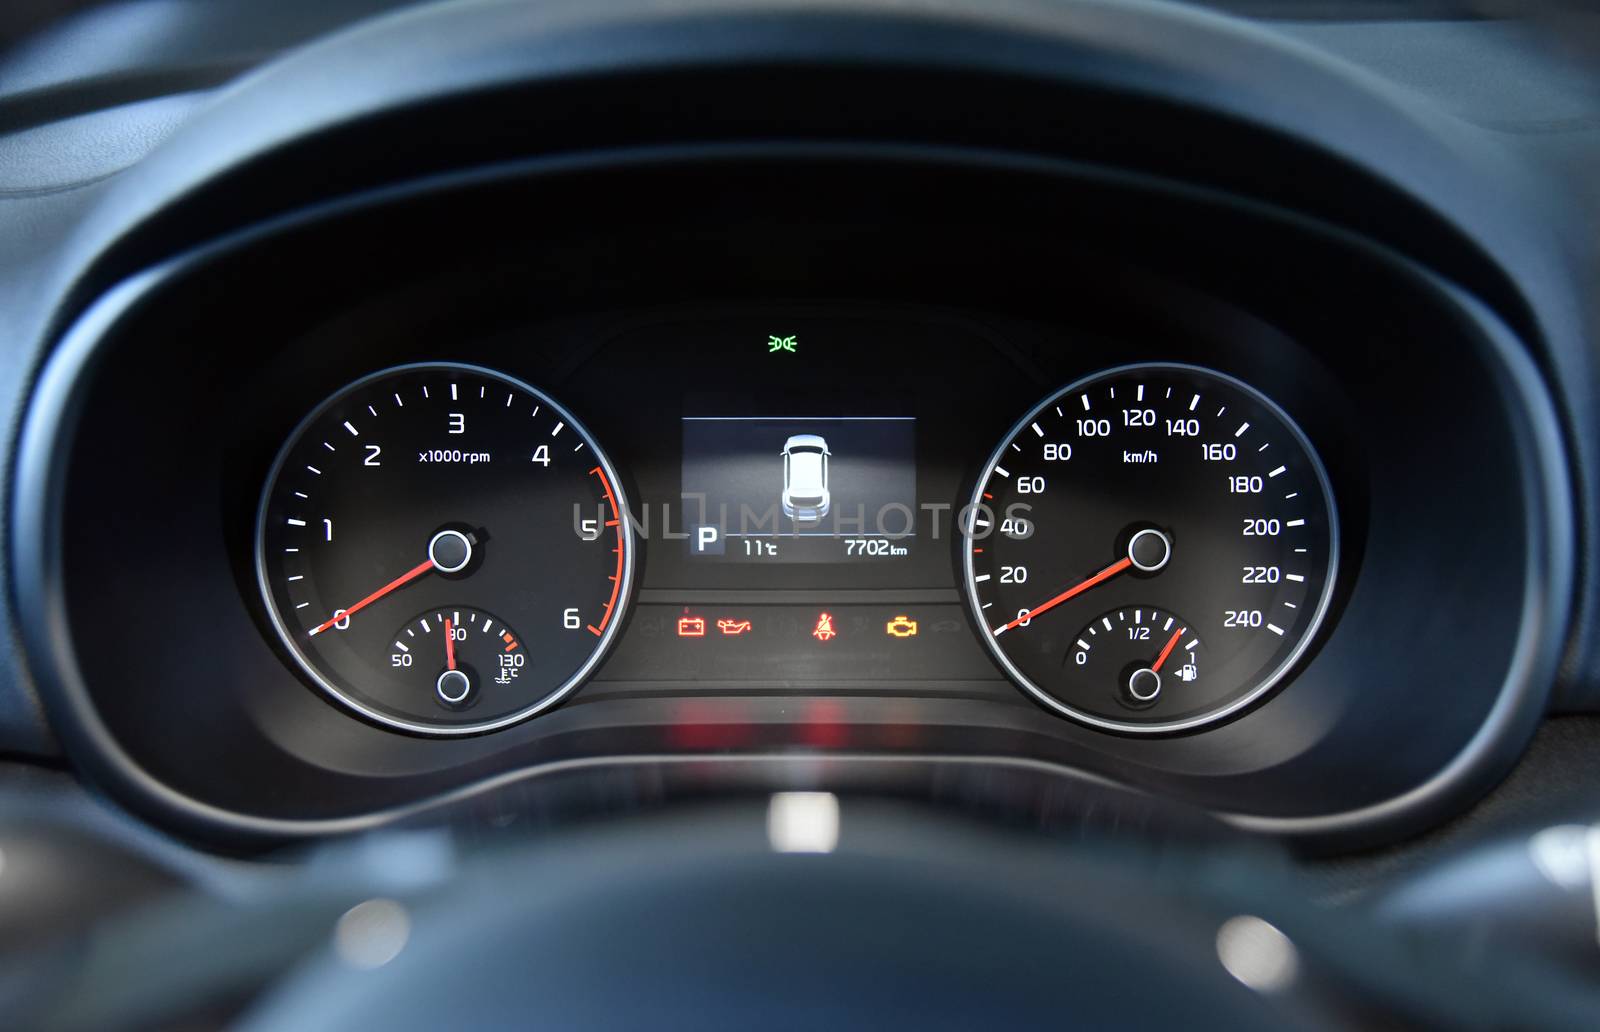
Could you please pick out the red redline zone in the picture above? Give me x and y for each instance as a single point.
(616, 579)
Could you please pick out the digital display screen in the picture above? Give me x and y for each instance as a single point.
(799, 489)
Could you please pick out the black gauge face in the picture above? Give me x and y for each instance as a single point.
(1140, 650)
(435, 494)
(453, 651)
(1152, 548)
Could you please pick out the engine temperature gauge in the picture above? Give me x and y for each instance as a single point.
(1133, 655)
(456, 653)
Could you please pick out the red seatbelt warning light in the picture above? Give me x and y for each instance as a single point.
(691, 627)
(824, 630)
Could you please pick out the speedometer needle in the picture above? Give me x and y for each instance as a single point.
(400, 581)
(450, 647)
(1072, 592)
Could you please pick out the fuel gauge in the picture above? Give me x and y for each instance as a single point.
(1135, 654)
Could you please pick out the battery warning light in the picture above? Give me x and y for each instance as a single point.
(824, 631)
(902, 627)
(691, 626)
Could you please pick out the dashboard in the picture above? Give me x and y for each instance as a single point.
(437, 523)
(508, 504)
(351, 487)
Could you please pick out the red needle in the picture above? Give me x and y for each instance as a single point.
(405, 578)
(1172, 643)
(1077, 589)
(450, 647)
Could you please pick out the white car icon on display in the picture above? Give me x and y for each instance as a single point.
(805, 478)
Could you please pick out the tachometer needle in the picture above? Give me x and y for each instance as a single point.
(450, 647)
(400, 581)
(1172, 643)
(1077, 589)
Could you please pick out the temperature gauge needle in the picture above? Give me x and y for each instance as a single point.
(1172, 643)
(1072, 592)
(450, 647)
(400, 581)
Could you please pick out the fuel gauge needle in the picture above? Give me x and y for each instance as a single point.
(1172, 643)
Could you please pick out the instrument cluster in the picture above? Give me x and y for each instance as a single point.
(445, 549)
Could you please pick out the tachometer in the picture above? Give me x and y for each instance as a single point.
(469, 511)
(1131, 497)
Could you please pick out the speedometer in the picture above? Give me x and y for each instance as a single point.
(1133, 516)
